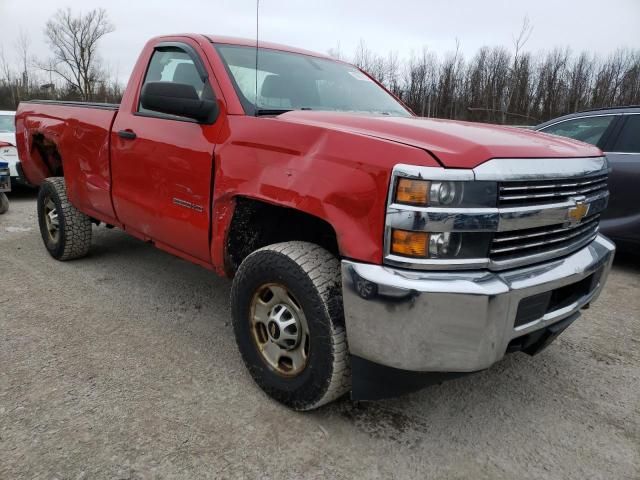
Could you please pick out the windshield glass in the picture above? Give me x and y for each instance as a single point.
(292, 81)
(7, 123)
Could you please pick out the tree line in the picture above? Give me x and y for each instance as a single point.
(73, 71)
(497, 84)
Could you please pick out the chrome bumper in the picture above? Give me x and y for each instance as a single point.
(456, 321)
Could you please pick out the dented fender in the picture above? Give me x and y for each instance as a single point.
(337, 176)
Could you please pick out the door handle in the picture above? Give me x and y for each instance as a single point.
(127, 134)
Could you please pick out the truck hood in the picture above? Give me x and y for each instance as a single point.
(454, 144)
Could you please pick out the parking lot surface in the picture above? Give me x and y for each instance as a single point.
(123, 365)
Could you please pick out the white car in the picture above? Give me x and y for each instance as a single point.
(8, 151)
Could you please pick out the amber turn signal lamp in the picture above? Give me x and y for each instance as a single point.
(413, 192)
(410, 244)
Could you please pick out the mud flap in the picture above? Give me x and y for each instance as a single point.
(372, 381)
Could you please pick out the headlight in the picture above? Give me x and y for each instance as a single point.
(440, 245)
(439, 218)
(425, 193)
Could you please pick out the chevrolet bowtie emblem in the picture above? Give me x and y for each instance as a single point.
(578, 212)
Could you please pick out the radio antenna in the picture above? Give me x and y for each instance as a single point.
(255, 110)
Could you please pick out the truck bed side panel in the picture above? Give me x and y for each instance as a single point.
(71, 139)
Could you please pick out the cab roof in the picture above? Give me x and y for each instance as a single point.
(247, 42)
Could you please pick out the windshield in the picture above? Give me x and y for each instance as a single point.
(292, 81)
(7, 124)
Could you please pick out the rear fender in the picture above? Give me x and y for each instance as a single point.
(59, 139)
(39, 156)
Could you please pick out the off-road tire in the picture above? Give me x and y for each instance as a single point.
(312, 275)
(74, 237)
(4, 203)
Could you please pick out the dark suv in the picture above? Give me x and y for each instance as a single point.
(616, 131)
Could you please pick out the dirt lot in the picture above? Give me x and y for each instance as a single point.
(123, 365)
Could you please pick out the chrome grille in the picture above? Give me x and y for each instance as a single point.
(533, 219)
(532, 241)
(512, 194)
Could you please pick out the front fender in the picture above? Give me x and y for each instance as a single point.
(338, 176)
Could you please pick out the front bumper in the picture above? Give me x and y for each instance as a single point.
(9, 155)
(459, 321)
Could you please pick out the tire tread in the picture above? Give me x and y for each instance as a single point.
(323, 270)
(77, 230)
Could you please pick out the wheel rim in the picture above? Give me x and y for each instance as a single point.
(279, 329)
(51, 219)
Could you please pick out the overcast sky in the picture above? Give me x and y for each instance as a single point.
(594, 25)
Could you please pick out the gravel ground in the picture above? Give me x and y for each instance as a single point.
(123, 365)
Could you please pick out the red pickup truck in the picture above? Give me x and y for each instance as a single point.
(371, 251)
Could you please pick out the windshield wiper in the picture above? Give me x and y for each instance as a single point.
(271, 111)
(278, 111)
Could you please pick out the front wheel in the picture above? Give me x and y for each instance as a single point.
(66, 232)
(289, 323)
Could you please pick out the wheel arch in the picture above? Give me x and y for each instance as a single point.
(256, 223)
(45, 160)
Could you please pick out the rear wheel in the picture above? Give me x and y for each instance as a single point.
(289, 323)
(66, 232)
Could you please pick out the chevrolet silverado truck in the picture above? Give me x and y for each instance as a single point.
(371, 251)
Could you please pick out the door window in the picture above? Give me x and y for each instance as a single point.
(175, 65)
(588, 129)
(629, 139)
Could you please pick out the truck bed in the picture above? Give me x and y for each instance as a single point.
(101, 105)
(69, 137)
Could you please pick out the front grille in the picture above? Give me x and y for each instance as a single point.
(540, 192)
(532, 241)
(534, 219)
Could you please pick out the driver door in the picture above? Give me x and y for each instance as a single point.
(162, 165)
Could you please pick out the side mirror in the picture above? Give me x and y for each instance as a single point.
(178, 99)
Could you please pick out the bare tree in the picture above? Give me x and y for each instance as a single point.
(336, 52)
(5, 67)
(515, 84)
(630, 85)
(370, 62)
(7, 80)
(579, 83)
(391, 73)
(523, 37)
(74, 42)
(449, 83)
(22, 45)
(419, 82)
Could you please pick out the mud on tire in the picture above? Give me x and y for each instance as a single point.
(66, 232)
(312, 276)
